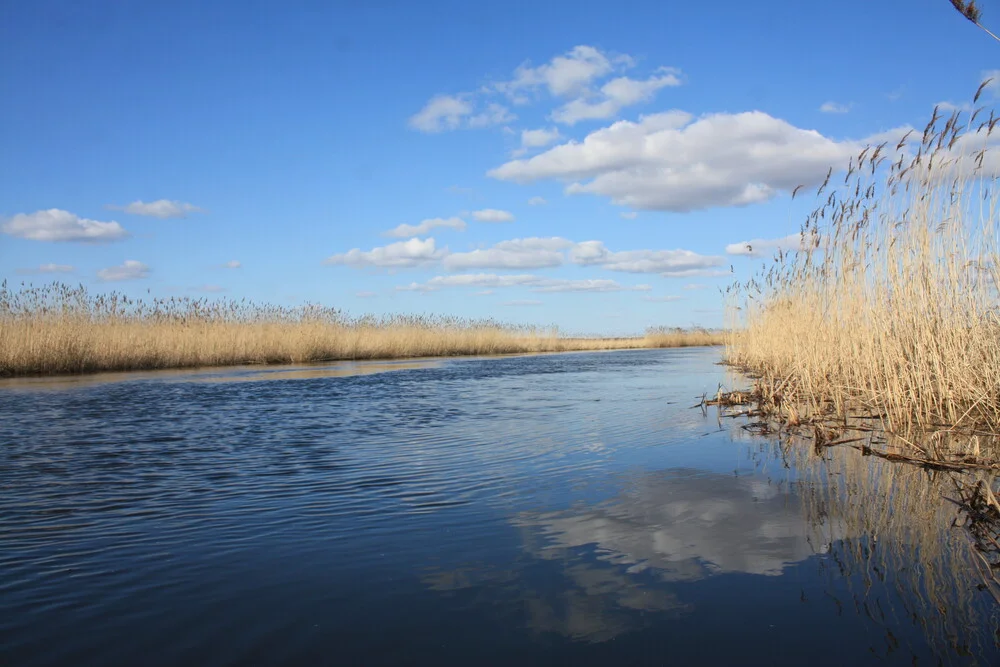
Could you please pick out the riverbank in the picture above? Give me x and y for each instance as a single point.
(888, 311)
(58, 330)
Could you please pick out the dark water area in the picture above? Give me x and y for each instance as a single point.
(555, 509)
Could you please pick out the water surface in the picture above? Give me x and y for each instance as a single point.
(549, 509)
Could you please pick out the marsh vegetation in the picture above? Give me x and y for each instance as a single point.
(887, 314)
(58, 329)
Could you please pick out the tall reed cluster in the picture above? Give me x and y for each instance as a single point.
(59, 329)
(890, 305)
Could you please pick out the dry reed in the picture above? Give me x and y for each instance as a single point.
(58, 329)
(889, 309)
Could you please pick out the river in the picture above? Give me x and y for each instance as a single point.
(549, 509)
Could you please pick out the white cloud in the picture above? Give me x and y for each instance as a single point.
(58, 225)
(529, 253)
(834, 107)
(364, 294)
(662, 299)
(130, 270)
(693, 286)
(403, 254)
(614, 96)
(232, 264)
(669, 161)
(425, 226)
(760, 247)
(522, 302)
(535, 283)
(537, 201)
(485, 292)
(442, 112)
(161, 208)
(602, 285)
(539, 138)
(629, 215)
(493, 215)
(567, 74)
(667, 263)
(532, 253)
(209, 289)
(495, 114)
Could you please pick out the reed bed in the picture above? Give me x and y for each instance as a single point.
(889, 308)
(59, 329)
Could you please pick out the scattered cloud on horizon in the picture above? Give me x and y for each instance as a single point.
(425, 226)
(533, 253)
(161, 208)
(58, 225)
(663, 299)
(130, 270)
(534, 283)
(403, 254)
(493, 215)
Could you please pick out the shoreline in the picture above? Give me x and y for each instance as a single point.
(262, 371)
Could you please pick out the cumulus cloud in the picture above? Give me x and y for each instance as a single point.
(58, 225)
(130, 270)
(534, 283)
(232, 264)
(450, 112)
(572, 76)
(760, 247)
(495, 114)
(667, 263)
(539, 138)
(533, 253)
(529, 253)
(425, 226)
(442, 112)
(614, 96)
(404, 254)
(834, 107)
(672, 162)
(567, 74)
(537, 201)
(161, 208)
(493, 215)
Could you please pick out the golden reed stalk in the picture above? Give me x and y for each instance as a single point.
(890, 307)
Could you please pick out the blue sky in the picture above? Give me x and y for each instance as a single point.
(584, 164)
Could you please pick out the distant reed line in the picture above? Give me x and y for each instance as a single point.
(890, 306)
(59, 329)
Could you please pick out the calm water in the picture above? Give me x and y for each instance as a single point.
(564, 509)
